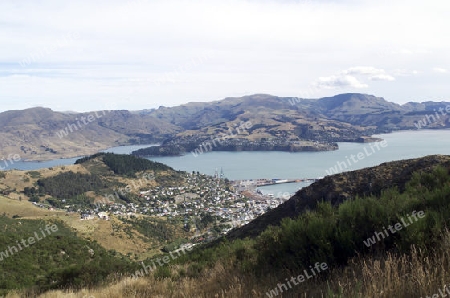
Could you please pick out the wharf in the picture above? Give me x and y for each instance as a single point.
(265, 182)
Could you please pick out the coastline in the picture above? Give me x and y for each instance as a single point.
(295, 163)
(47, 158)
(50, 157)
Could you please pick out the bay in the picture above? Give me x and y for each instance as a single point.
(299, 165)
(36, 165)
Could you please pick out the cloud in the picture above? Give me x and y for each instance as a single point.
(340, 81)
(382, 77)
(347, 78)
(375, 74)
(270, 46)
(363, 70)
(440, 70)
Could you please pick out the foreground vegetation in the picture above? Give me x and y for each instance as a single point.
(55, 261)
(412, 262)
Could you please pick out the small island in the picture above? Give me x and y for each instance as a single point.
(237, 144)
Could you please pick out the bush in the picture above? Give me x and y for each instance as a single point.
(162, 272)
(34, 174)
(333, 235)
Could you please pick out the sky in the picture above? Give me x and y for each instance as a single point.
(141, 54)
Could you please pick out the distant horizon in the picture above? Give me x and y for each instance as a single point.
(133, 110)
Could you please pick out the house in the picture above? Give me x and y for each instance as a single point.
(103, 215)
(86, 216)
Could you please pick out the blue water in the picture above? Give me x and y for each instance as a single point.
(35, 165)
(285, 165)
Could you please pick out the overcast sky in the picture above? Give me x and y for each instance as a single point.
(93, 55)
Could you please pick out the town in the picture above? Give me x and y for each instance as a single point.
(233, 204)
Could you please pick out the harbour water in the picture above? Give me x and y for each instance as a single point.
(299, 165)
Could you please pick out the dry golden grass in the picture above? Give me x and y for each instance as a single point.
(387, 276)
(391, 276)
(118, 240)
(25, 209)
(100, 230)
(16, 179)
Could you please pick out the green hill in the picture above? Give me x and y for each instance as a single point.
(40, 255)
(375, 232)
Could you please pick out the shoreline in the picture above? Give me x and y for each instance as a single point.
(49, 158)
(373, 138)
(79, 156)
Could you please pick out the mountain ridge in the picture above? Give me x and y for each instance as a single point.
(34, 133)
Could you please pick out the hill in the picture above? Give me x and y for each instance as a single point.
(338, 188)
(133, 206)
(92, 185)
(340, 237)
(354, 108)
(39, 255)
(254, 122)
(40, 133)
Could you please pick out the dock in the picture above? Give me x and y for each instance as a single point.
(265, 182)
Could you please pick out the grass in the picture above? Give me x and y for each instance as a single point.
(412, 263)
(124, 238)
(97, 229)
(24, 209)
(403, 276)
(17, 180)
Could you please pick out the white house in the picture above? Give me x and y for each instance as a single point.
(103, 215)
